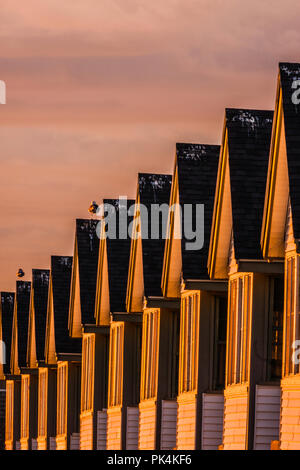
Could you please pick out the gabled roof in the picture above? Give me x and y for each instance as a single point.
(113, 261)
(284, 163)
(20, 326)
(146, 255)
(38, 316)
(194, 182)
(84, 275)
(58, 340)
(240, 191)
(289, 73)
(6, 322)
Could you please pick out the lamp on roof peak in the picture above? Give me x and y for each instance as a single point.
(20, 273)
(93, 207)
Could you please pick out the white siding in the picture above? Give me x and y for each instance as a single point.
(24, 443)
(41, 443)
(9, 445)
(86, 431)
(132, 428)
(75, 441)
(168, 425)
(147, 425)
(61, 442)
(235, 418)
(212, 420)
(290, 413)
(186, 424)
(101, 429)
(114, 428)
(267, 416)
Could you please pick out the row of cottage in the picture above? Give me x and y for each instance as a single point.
(141, 343)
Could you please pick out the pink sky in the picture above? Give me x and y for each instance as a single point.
(99, 90)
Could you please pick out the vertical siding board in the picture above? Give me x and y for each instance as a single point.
(168, 425)
(52, 443)
(101, 429)
(132, 428)
(75, 441)
(212, 421)
(267, 416)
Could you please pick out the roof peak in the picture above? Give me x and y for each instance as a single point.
(248, 118)
(195, 152)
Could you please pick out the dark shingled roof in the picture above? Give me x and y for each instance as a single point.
(153, 189)
(291, 112)
(23, 289)
(118, 253)
(197, 167)
(88, 250)
(249, 136)
(61, 271)
(40, 289)
(7, 312)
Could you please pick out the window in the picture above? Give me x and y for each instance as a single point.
(173, 334)
(276, 328)
(150, 346)
(291, 317)
(25, 406)
(116, 346)
(220, 330)
(9, 410)
(62, 384)
(239, 331)
(42, 402)
(189, 338)
(87, 373)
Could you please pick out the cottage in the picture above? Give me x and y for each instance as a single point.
(15, 427)
(7, 300)
(125, 329)
(82, 325)
(255, 291)
(280, 240)
(158, 355)
(35, 353)
(200, 376)
(64, 353)
(37, 369)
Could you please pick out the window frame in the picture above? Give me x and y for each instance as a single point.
(25, 391)
(9, 411)
(150, 353)
(189, 341)
(116, 364)
(62, 398)
(42, 402)
(291, 313)
(239, 329)
(87, 373)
